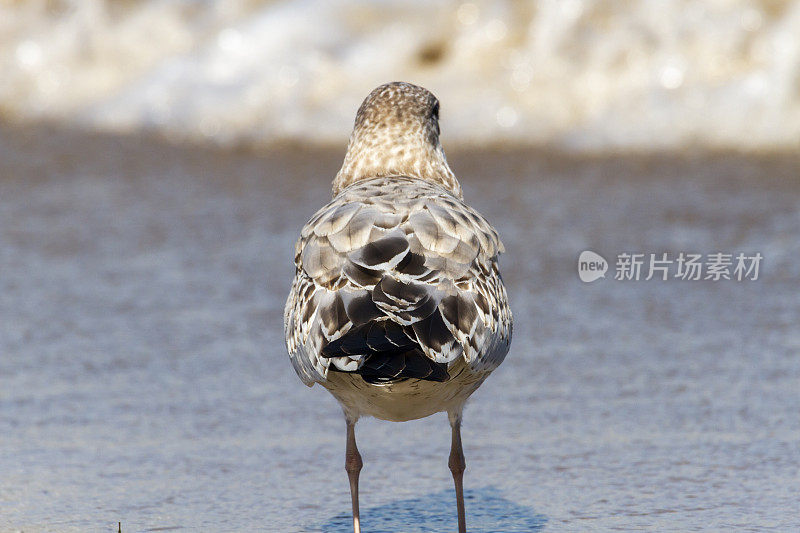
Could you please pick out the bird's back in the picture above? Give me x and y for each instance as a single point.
(396, 281)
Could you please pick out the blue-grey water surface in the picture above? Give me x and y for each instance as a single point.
(144, 380)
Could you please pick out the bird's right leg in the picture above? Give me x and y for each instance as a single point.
(353, 466)
(457, 466)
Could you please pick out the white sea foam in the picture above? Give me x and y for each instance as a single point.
(579, 74)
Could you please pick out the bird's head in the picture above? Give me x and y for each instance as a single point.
(396, 133)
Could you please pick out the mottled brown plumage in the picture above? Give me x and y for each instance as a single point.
(404, 250)
(397, 134)
(397, 305)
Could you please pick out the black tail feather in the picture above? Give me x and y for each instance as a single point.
(390, 351)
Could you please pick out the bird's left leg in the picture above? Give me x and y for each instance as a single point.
(353, 466)
(457, 466)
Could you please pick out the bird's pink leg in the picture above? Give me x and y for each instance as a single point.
(353, 466)
(457, 466)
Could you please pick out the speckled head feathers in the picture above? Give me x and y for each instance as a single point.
(396, 133)
(400, 106)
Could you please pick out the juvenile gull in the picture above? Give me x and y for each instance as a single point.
(397, 305)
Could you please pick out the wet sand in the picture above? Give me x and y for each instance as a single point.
(143, 376)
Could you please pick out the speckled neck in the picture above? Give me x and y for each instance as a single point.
(397, 134)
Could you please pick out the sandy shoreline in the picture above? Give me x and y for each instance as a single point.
(143, 377)
(31, 145)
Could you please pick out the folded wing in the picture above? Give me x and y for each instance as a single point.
(396, 278)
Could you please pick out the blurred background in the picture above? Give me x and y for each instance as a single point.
(159, 157)
(580, 74)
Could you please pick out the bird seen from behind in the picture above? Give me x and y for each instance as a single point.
(397, 306)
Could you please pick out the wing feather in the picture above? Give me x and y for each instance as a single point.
(407, 252)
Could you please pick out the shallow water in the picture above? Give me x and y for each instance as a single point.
(143, 376)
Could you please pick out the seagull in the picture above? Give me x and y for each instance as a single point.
(397, 305)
